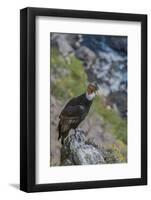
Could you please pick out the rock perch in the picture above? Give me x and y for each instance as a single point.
(76, 150)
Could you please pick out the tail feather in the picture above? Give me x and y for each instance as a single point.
(61, 132)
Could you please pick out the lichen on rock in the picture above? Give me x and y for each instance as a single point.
(76, 151)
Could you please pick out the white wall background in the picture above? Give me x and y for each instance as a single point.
(9, 98)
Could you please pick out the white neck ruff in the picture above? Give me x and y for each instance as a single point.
(91, 96)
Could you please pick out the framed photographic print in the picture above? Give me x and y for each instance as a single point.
(83, 99)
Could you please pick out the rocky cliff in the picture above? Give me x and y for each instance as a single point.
(76, 60)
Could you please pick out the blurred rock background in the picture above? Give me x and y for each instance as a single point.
(76, 60)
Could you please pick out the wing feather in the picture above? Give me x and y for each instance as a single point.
(72, 112)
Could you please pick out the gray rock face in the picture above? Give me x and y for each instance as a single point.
(120, 100)
(79, 151)
(118, 44)
(66, 43)
(64, 47)
(85, 54)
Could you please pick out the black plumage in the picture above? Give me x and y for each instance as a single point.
(73, 114)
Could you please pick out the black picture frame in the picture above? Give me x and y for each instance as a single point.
(28, 98)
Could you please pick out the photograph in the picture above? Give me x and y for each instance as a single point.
(88, 99)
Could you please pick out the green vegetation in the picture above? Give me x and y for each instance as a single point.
(114, 123)
(73, 82)
(116, 153)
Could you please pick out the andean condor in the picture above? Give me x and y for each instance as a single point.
(75, 111)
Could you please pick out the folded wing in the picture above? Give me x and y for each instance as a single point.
(71, 116)
(73, 112)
